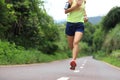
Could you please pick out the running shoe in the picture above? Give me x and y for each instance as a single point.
(73, 65)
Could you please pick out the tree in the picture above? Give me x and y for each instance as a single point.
(26, 23)
(112, 18)
(112, 40)
(6, 17)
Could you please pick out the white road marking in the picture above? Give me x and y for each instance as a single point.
(64, 78)
(76, 71)
(81, 67)
(83, 64)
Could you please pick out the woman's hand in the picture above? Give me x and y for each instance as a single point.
(85, 18)
(79, 3)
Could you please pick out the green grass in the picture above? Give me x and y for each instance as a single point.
(12, 54)
(29, 57)
(113, 58)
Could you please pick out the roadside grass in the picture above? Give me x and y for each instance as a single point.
(29, 57)
(113, 58)
(12, 54)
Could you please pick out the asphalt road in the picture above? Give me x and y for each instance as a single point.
(87, 69)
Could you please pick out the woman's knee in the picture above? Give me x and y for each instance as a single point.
(75, 43)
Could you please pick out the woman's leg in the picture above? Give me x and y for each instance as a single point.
(75, 49)
(73, 42)
(77, 38)
(70, 41)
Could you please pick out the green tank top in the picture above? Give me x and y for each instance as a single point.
(76, 15)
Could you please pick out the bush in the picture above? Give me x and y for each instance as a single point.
(116, 54)
(111, 19)
(12, 54)
(84, 48)
(98, 38)
(112, 40)
(99, 54)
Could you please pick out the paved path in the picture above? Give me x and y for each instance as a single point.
(87, 69)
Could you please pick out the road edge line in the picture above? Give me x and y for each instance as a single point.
(111, 65)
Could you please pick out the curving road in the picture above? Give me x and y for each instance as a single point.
(87, 69)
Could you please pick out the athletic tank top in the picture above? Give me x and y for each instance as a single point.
(76, 15)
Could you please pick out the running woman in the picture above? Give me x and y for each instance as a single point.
(76, 16)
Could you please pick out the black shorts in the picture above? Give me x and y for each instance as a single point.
(71, 28)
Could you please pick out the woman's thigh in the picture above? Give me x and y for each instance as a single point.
(77, 37)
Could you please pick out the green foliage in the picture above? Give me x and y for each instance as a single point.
(4, 18)
(84, 48)
(87, 40)
(88, 34)
(98, 38)
(7, 52)
(12, 54)
(106, 41)
(112, 18)
(113, 58)
(116, 54)
(112, 40)
(26, 23)
(62, 42)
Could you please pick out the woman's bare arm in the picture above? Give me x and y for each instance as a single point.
(79, 3)
(85, 15)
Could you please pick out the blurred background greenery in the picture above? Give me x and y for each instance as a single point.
(29, 35)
